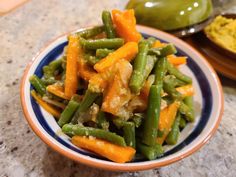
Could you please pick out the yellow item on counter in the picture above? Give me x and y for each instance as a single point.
(223, 32)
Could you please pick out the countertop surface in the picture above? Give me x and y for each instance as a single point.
(23, 33)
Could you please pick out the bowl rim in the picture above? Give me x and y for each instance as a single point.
(113, 167)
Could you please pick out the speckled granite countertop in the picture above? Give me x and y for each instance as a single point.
(23, 33)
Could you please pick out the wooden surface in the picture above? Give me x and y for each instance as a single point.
(220, 61)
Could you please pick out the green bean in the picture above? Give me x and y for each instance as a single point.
(128, 130)
(102, 121)
(91, 60)
(189, 102)
(107, 21)
(68, 112)
(169, 49)
(182, 123)
(38, 84)
(88, 33)
(150, 152)
(102, 53)
(174, 81)
(73, 130)
(174, 71)
(137, 79)
(150, 124)
(151, 41)
(173, 136)
(186, 111)
(102, 43)
(151, 60)
(170, 89)
(87, 101)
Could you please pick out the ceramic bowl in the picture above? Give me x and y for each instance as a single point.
(208, 109)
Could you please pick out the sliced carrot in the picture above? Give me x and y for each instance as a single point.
(186, 90)
(84, 71)
(125, 25)
(119, 154)
(45, 105)
(177, 60)
(157, 44)
(58, 91)
(118, 93)
(127, 51)
(167, 118)
(71, 81)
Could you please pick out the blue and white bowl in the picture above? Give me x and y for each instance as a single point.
(208, 108)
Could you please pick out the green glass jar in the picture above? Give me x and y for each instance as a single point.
(170, 14)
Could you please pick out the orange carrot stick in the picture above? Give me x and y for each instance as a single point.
(58, 91)
(125, 24)
(186, 90)
(45, 105)
(106, 149)
(157, 44)
(177, 60)
(84, 71)
(167, 118)
(71, 81)
(127, 51)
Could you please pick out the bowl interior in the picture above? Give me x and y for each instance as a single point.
(208, 108)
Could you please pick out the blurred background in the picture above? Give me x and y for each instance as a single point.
(32, 24)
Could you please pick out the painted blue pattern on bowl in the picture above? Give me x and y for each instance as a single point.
(199, 74)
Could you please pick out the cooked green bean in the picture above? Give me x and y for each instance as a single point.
(174, 81)
(87, 101)
(151, 121)
(107, 21)
(182, 123)
(91, 60)
(151, 41)
(68, 112)
(102, 43)
(151, 60)
(189, 102)
(38, 84)
(102, 121)
(150, 152)
(169, 49)
(170, 89)
(88, 33)
(73, 130)
(174, 71)
(173, 136)
(102, 53)
(186, 111)
(137, 77)
(137, 119)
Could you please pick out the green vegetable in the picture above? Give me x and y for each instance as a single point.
(189, 102)
(150, 152)
(137, 77)
(87, 101)
(73, 130)
(182, 123)
(107, 21)
(102, 121)
(102, 53)
(173, 136)
(186, 111)
(38, 84)
(151, 41)
(91, 60)
(102, 43)
(128, 130)
(151, 121)
(170, 89)
(174, 81)
(68, 112)
(174, 71)
(169, 49)
(137, 119)
(88, 33)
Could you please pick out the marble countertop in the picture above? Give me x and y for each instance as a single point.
(23, 33)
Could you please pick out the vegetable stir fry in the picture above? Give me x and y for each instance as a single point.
(115, 93)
